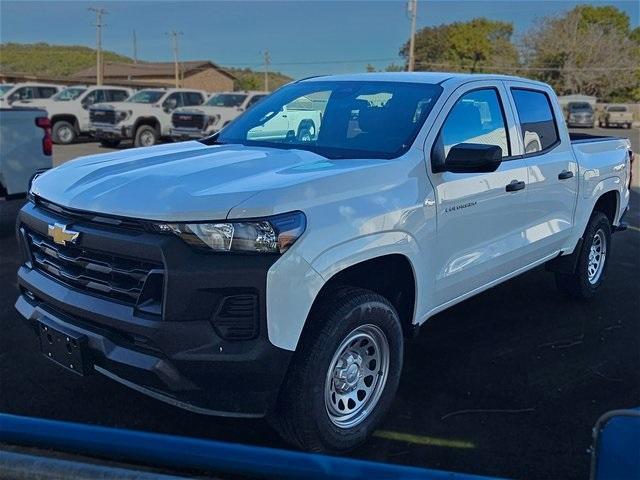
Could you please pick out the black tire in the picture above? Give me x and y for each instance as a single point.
(108, 143)
(63, 132)
(302, 415)
(146, 136)
(578, 284)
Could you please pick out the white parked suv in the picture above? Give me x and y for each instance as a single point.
(215, 114)
(260, 273)
(145, 117)
(26, 92)
(68, 110)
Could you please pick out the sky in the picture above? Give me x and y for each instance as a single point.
(303, 37)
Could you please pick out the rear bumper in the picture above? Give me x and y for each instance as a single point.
(179, 356)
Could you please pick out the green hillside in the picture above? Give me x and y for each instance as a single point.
(50, 60)
(44, 60)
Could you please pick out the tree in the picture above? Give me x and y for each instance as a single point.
(588, 50)
(479, 45)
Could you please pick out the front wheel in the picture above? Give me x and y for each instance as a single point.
(592, 260)
(344, 375)
(63, 132)
(146, 136)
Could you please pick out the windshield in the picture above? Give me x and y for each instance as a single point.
(4, 89)
(580, 106)
(226, 100)
(146, 96)
(338, 119)
(68, 94)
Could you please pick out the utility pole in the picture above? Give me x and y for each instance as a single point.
(267, 61)
(174, 37)
(135, 47)
(99, 66)
(412, 11)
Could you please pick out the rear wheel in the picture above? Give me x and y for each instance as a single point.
(146, 136)
(591, 264)
(344, 375)
(63, 132)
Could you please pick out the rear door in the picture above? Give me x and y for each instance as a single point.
(481, 217)
(553, 170)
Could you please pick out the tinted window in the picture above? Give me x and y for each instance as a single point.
(337, 119)
(24, 93)
(617, 108)
(117, 95)
(174, 97)
(537, 123)
(255, 99)
(476, 118)
(67, 94)
(193, 98)
(46, 92)
(227, 100)
(96, 96)
(146, 96)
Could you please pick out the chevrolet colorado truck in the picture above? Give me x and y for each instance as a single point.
(25, 150)
(208, 118)
(258, 273)
(145, 117)
(68, 110)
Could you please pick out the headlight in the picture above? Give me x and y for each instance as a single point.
(267, 235)
(122, 115)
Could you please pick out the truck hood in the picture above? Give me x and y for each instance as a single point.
(186, 181)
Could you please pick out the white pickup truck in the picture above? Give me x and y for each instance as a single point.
(210, 117)
(21, 92)
(25, 150)
(145, 117)
(68, 110)
(259, 273)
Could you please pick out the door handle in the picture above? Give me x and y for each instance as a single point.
(515, 185)
(565, 174)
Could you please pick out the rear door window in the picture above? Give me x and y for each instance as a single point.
(193, 98)
(46, 92)
(117, 95)
(537, 123)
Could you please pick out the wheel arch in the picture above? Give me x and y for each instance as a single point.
(609, 204)
(66, 117)
(151, 121)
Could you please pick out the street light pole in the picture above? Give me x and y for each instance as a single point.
(99, 66)
(267, 61)
(412, 9)
(174, 36)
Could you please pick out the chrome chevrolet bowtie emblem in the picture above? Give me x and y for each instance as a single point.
(60, 235)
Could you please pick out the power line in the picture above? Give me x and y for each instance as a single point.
(99, 64)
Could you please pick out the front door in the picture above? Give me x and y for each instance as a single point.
(481, 217)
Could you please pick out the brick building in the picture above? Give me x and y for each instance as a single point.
(203, 75)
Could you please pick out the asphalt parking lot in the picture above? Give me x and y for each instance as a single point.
(508, 383)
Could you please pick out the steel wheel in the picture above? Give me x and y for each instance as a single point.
(357, 376)
(147, 138)
(65, 134)
(597, 256)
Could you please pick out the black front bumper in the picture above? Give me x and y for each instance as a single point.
(183, 353)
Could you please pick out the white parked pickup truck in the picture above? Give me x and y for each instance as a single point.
(21, 92)
(259, 273)
(616, 116)
(68, 110)
(25, 150)
(210, 117)
(145, 117)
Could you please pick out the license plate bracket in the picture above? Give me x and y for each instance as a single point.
(63, 346)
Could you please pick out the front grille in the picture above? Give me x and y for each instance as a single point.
(237, 317)
(98, 273)
(102, 116)
(188, 120)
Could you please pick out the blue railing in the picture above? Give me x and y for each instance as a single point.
(179, 453)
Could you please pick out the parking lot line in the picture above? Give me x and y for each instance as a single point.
(422, 440)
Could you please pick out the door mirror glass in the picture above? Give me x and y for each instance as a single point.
(473, 158)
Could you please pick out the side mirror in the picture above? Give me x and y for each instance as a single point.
(170, 105)
(468, 158)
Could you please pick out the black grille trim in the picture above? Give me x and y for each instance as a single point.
(98, 273)
(237, 317)
(102, 116)
(188, 120)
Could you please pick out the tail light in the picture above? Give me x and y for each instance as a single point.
(47, 142)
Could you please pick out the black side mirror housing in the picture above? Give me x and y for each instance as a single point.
(467, 158)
